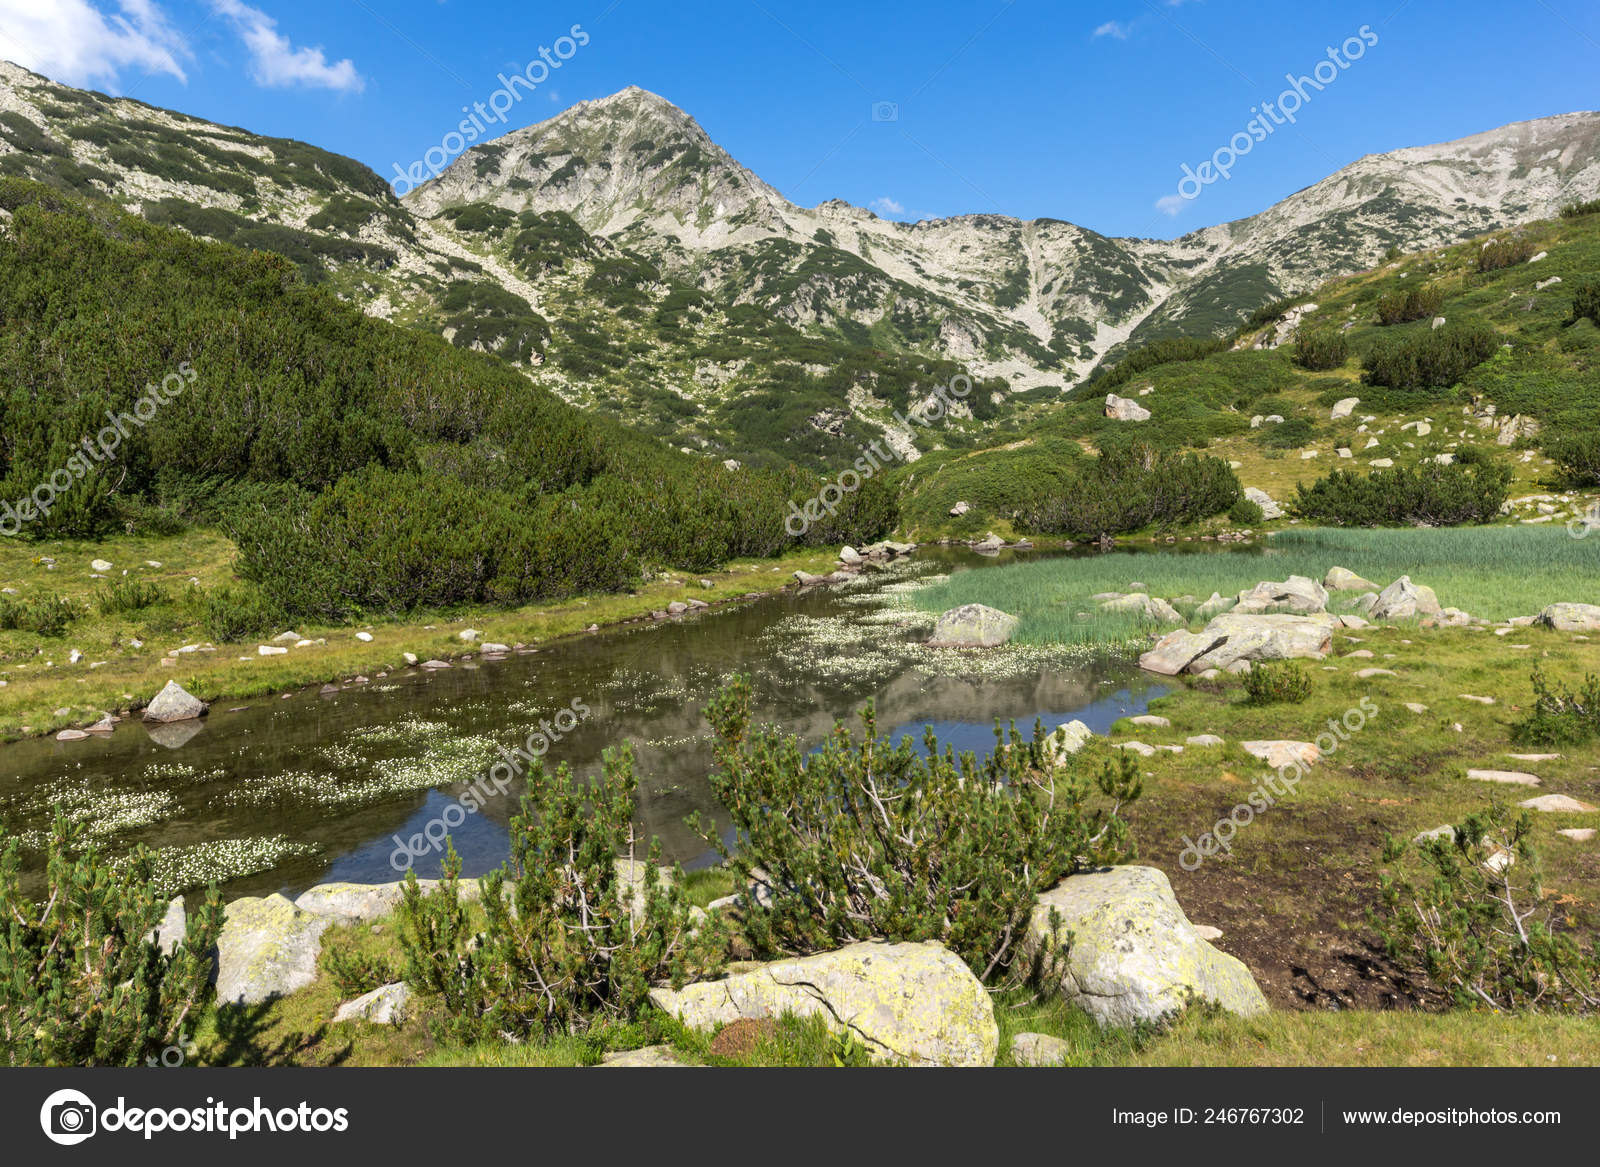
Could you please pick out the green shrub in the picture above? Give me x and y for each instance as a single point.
(47, 616)
(1318, 349)
(572, 937)
(1277, 683)
(1560, 716)
(1503, 253)
(355, 968)
(1288, 435)
(1133, 486)
(1430, 493)
(862, 838)
(1576, 210)
(1471, 921)
(128, 595)
(1431, 358)
(230, 614)
(1245, 513)
(1578, 456)
(1418, 303)
(1586, 300)
(81, 982)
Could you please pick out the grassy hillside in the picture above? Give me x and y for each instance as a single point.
(1517, 299)
(154, 381)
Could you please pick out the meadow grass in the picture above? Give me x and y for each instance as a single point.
(121, 651)
(1491, 572)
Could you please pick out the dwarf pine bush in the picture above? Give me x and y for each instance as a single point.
(1560, 716)
(82, 983)
(1465, 915)
(1433, 494)
(575, 929)
(862, 838)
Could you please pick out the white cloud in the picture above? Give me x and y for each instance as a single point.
(1171, 204)
(1114, 28)
(79, 43)
(276, 63)
(886, 206)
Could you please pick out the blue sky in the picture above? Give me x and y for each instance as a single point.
(1078, 111)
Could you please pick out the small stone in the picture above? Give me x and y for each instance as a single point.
(1508, 777)
(1556, 804)
(364, 637)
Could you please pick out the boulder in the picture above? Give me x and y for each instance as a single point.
(848, 554)
(1344, 408)
(385, 1005)
(1039, 1049)
(1298, 593)
(1270, 509)
(960, 509)
(1215, 606)
(1265, 637)
(100, 565)
(1176, 652)
(1130, 954)
(351, 903)
(1064, 740)
(174, 703)
(268, 948)
(1123, 409)
(1403, 600)
(973, 626)
(1145, 607)
(914, 1003)
(990, 542)
(1341, 579)
(1571, 617)
(173, 927)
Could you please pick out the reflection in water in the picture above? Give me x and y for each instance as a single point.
(313, 788)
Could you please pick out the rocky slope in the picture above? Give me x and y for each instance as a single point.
(619, 256)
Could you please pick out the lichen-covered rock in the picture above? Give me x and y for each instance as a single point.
(1133, 955)
(1298, 593)
(1148, 607)
(383, 1006)
(1265, 637)
(1123, 409)
(1175, 651)
(1403, 599)
(1342, 579)
(351, 903)
(174, 703)
(268, 948)
(1270, 507)
(915, 1003)
(1064, 740)
(1039, 1049)
(1571, 617)
(168, 934)
(973, 626)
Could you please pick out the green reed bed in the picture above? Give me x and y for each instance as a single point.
(1492, 572)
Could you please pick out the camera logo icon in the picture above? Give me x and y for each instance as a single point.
(68, 1117)
(885, 111)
